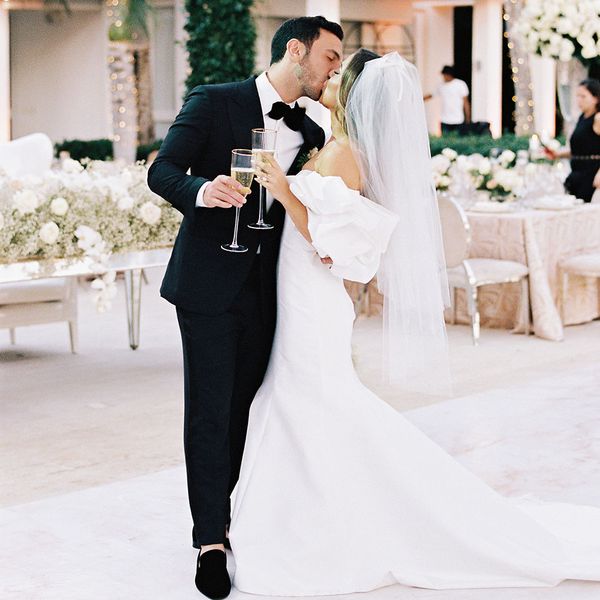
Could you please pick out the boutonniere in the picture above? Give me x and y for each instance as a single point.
(306, 156)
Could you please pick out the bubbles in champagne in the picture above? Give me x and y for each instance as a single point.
(244, 176)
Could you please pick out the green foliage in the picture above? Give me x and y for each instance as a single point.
(94, 149)
(221, 41)
(145, 149)
(472, 144)
(133, 18)
(100, 149)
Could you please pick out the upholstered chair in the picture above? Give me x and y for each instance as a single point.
(470, 274)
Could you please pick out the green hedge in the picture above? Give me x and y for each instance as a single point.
(99, 149)
(102, 149)
(221, 37)
(145, 149)
(473, 144)
(78, 149)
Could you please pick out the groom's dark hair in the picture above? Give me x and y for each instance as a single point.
(304, 29)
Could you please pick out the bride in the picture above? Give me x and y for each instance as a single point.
(338, 492)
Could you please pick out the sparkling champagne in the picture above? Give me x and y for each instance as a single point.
(244, 176)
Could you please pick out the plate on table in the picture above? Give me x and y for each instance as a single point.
(491, 207)
(556, 203)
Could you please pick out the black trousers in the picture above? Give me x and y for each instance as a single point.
(451, 128)
(225, 358)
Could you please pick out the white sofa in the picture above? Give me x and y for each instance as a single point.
(46, 300)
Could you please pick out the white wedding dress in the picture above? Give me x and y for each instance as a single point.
(340, 493)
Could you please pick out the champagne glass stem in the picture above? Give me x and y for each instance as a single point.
(261, 204)
(234, 243)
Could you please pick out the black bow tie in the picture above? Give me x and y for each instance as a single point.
(292, 117)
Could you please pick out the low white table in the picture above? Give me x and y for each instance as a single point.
(132, 263)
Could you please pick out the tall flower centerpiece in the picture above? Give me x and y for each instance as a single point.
(569, 32)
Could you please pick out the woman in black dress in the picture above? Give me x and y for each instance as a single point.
(585, 144)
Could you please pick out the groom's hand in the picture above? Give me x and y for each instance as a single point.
(223, 192)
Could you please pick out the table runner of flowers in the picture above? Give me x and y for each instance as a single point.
(83, 209)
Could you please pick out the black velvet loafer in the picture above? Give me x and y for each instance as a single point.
(212, 578)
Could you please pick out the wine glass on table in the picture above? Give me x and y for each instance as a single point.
(263, 146)
(242, 170)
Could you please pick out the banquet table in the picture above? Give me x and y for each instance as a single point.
(538, 239)
(131, 263)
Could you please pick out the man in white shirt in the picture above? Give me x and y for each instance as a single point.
(454, 97)
(226, 302)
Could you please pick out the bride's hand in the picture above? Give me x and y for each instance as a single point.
(271, 177)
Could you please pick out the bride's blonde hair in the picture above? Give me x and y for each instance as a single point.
(351, 72)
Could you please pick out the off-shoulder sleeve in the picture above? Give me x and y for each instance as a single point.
(349, 228)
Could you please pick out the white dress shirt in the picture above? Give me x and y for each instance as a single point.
(288, 141)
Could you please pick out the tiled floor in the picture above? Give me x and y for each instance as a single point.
(93, 488)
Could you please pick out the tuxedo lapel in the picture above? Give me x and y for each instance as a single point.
(314, 137)
(245, 113)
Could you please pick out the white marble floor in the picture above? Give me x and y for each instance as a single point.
(123, 540)
(92, 487)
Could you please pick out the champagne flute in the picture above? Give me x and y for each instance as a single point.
(263, 145)
(242, 170)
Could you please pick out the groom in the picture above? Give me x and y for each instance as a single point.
(226, 302)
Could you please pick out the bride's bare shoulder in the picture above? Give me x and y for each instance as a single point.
(338, 160)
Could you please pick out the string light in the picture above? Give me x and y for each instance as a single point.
(124, 92)
(520, 72)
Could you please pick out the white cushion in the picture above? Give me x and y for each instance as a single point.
(28, 155)
(44, 290)
(584, 264)
(488, 271)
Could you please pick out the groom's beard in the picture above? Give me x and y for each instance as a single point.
(311, 88)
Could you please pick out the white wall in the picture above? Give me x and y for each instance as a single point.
(59, 80)
(166, 102)
(4, 75)
(434, 41)
(487, 64)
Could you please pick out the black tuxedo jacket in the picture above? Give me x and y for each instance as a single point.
(215, 119)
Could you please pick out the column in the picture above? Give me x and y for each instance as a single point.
(487, 64)
(4, 75)
(330, 9)
(543, 82)
(181, 58)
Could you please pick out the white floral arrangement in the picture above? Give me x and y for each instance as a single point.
(89, 209)
(562, 29)
(495, 175)
(441, 165)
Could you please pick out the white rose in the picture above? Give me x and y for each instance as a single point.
(449, 153)
(49, 232)
(564, 25)
(88, 239)
(125, 202)
(150, 213)
(507, 157)
(589, 51)
(485, 166)
(491, 184)
(440, 163)
(25, 201)
(59, 206)
(71, 166)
